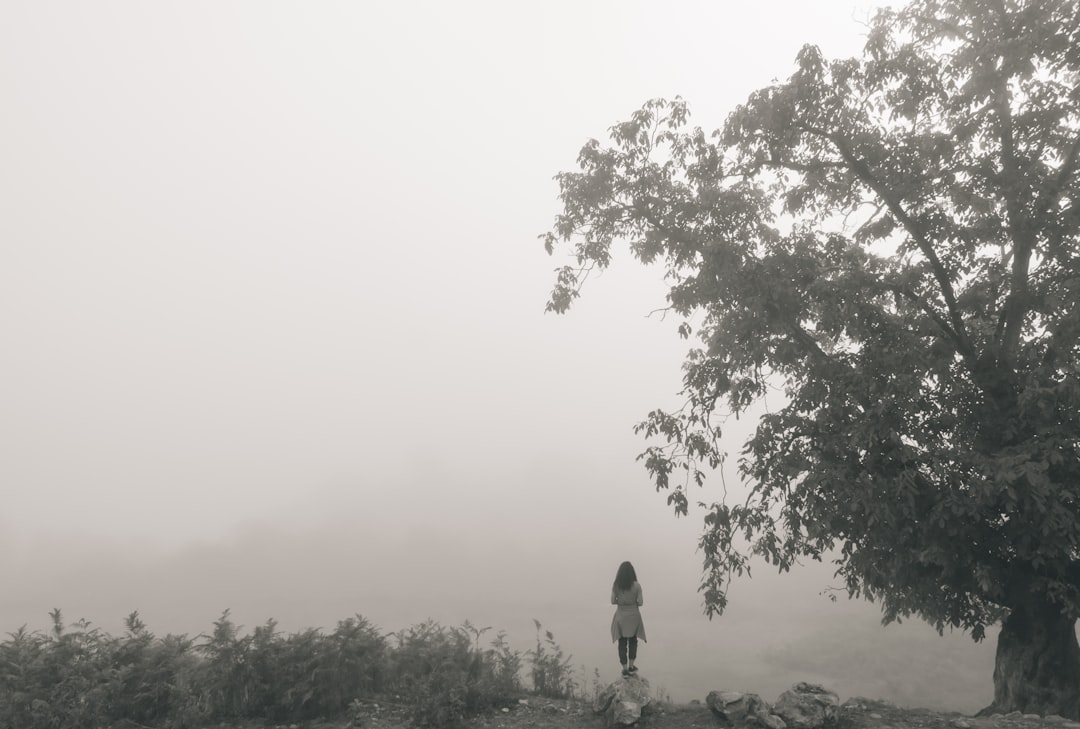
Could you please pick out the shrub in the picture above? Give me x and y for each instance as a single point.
(21, 690)
(445, 677)
(505, 669)
(357, 663)
(148, 678)
(226, 681)
(551, 673)
(80, 677)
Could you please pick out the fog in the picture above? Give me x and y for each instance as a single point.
(271, 305)
(778, 630)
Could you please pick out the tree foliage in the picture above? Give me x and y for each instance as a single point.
(892, 241)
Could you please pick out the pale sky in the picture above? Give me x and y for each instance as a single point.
(272, 310)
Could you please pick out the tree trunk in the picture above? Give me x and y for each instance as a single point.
(1037, 668)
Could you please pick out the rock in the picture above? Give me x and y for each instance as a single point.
(807, 706)
(738, 709)
(625, 712)
(772, 721)
(727, 704)
(604, 699)
(861, 703)
(961, 723)
(624, 700)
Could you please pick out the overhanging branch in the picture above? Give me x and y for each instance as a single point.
(864, 174)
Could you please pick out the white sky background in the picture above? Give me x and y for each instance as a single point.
(271, 310)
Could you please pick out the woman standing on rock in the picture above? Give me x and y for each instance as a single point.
(626, 625)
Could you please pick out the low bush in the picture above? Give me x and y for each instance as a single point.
(79, 677)
(551, 672)
(445, 676)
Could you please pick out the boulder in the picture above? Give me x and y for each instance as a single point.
(736, 709)
(807, 706)
(624, 700)
(604, 699)
(774, 721)
(739, 710)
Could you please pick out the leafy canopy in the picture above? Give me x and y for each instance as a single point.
(892, 241)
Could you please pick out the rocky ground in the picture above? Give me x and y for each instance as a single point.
(858, 713)
(854, 714)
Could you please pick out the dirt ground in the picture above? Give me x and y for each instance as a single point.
(537, 713)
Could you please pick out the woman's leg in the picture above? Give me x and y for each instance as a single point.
(632, 644)
(622, 650)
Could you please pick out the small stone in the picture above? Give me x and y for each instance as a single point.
(961, 723)
(505, 710)
(875, 715)
(523, 702)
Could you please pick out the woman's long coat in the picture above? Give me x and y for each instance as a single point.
(627, 622)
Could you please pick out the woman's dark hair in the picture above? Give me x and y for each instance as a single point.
(625, 577)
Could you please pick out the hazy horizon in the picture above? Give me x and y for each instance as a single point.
(778, 629)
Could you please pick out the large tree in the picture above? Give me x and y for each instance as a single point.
(893, 242)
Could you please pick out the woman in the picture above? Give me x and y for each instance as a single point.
(626, 625)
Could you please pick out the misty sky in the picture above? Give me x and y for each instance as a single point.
(272, 314)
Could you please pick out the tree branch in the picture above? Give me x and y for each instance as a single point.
(925, 307)
(1052, 192)
(1007, 336)
(863, 172)
(799, 167)
(873, 218)
(796, 332)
